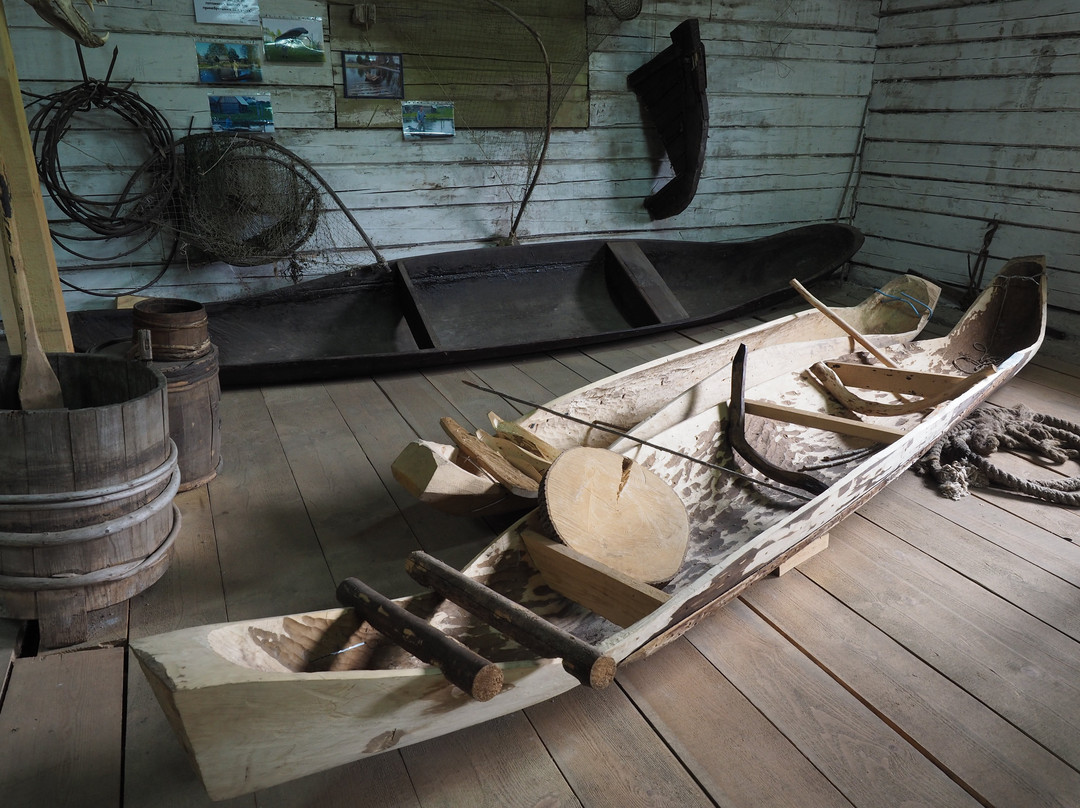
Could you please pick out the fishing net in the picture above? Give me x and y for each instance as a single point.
(248, 201)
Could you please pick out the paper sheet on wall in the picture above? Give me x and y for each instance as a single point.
(227, 12)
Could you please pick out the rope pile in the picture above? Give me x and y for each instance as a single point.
(960, 459)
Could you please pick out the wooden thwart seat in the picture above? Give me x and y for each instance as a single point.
(415, 316)
(643, 285)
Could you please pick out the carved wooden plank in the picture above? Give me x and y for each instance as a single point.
(609, 593)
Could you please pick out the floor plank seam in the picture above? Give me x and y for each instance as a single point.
(974, 580)
(867, 703)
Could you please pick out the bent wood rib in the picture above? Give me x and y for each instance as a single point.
(838, 390)
(460, 665)
(588, 664)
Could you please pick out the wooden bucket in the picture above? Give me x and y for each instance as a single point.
(86, 493)
(178, 328)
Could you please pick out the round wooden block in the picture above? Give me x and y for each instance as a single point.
(617, 512)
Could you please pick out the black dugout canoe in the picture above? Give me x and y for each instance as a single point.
(485, 303)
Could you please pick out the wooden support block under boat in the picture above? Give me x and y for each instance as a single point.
(606, 591)
(617, 512)
(588, 664)
(460, 665)
(822, 420)
(642, 284)
(490, 461)
(807, 552)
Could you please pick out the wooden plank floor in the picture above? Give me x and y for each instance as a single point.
(930, 656)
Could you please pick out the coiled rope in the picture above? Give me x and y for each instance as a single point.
(960, 459)
(139, 211)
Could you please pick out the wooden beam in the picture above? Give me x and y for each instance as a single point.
(28, 211)
(596, 586)
(822, 420)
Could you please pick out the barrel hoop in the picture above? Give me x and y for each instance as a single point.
(91, 496)
(18, 583)
(98, 530)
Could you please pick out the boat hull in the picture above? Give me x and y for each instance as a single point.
(494, 302)
(236, 693)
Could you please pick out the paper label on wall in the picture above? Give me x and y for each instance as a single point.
(227, 12)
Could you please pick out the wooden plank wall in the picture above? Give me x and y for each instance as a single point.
(974, 117)
(788, 85)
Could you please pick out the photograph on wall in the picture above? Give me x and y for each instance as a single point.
(229, 63)
(372, 75)
(293, 39)
(241, 113)
(227, 12)
(427, 119)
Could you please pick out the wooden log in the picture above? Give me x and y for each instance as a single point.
(617, 512)
(460, 665)
(490, 460)
(608, 592)
(588, 664)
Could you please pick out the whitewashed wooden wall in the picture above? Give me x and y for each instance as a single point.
(788, 84)
(974, 117)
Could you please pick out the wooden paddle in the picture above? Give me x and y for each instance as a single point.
(38, 386)
(847, 327)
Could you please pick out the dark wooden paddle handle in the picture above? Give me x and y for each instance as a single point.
(460, 665)
(588, 664)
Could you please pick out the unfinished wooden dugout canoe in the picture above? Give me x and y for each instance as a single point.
(255, 703)
(497, 301)
(655, 395)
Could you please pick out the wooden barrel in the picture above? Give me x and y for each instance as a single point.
(178, 328)
(86, 493)
(194, 410)
(195, 416)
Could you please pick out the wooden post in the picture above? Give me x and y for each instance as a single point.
(588, 664)
(459, 664)
(28, 211)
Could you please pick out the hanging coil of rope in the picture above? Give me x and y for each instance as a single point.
(961, 458)
(141, 206)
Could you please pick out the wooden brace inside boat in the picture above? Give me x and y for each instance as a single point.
(934, 388)
(608, 592)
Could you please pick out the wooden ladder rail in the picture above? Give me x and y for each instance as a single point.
(587, 663)
(461, 666)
